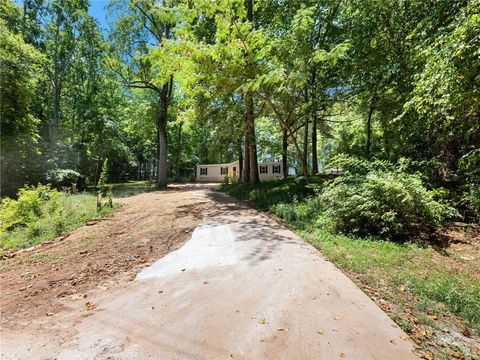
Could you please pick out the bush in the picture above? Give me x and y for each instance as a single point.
(269, 193)
(42, 213)
(103, 189)
(471, 201)
(379, 198)
(31, 204)
(299, 214)
(64, 178)
(230, 180)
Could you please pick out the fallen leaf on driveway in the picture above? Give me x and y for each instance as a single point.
(320, 331)
(466, 332)
(337, 317)
(261, 321)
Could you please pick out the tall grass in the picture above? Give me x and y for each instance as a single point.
(130, 188)
(41, 215)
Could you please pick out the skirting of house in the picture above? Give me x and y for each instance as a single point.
(218, 172)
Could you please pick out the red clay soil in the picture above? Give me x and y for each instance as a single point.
(142, 230)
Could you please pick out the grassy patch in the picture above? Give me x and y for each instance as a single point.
(68, 213)
(426, 289)
(120, 190)
(43, 213)
(406, 267)
(269, 193)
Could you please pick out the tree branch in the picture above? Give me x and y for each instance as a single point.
(138, 84)
(152, 20)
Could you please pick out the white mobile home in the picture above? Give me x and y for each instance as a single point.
(218, 172)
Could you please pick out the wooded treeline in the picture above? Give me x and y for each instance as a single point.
(173, 83)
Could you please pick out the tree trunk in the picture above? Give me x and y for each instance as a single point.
(249, 5)
(56, 84)
(162, 164)
(305, 143)
(97, 173)
(178, 149)
(284, 153)
(299, 154)
(246, 160)
(369, 128)
(314, 146)
(252, 144)
(240, 161)
(250, 117)
(55, 120)
(286, 126)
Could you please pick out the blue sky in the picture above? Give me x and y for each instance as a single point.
(97, 10)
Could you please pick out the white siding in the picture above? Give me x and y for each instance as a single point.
(214, 171)
(270, 175)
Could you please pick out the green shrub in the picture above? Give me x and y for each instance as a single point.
(230, 180)
(104, 190)
(41, 214)
(63, 177)
(102, 181)
(269, 193)
(471, 200)
(31, 204)
(300, 214)
(379, 198)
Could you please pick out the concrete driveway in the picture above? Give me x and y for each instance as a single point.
(243, 287)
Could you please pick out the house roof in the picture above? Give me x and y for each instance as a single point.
(235, 163)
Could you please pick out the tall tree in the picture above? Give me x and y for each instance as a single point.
(286, 75)
(138, 37)
(251, 143)
(20, 76)
(61, 37)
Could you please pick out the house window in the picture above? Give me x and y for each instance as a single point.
(276, 169)
(234, 169)
(203, 171)
(223, 170)
(263, 169)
